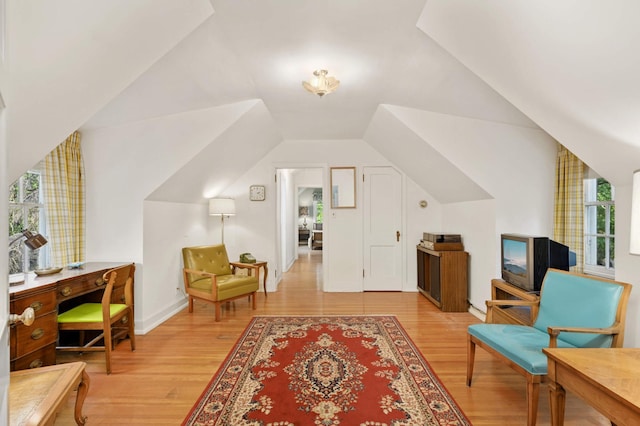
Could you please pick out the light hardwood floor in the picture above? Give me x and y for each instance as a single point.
(159, 382)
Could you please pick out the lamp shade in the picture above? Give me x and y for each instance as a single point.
(634, 234)
(222, 207)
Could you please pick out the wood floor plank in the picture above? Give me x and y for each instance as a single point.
(159, 382)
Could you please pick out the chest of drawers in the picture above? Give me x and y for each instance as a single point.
(35, 346)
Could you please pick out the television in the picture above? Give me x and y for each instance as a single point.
(525, 259)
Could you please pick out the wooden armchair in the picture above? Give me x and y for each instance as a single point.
(574, 311)
(208, 275)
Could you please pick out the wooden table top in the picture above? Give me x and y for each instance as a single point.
(35, 395)
(33, 281)
(615, 371)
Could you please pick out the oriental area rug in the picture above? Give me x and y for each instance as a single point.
(325, 371)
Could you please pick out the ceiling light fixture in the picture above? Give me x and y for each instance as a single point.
(321, 84)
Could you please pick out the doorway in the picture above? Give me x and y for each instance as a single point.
(299, 215)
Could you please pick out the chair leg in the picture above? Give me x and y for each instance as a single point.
(471, 354)
(253, 298)
(132, 333)
(218, 311)
(107, 346)
(190, 304)
(533, 393)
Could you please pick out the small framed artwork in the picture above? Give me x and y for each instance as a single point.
(257, 193)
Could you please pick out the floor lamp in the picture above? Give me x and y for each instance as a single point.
(222, 207)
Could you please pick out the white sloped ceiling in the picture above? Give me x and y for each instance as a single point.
(68, 58)
(571, 66)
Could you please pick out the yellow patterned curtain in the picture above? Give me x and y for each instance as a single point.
(568, 225)
(65, 201)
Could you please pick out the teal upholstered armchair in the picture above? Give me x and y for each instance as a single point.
(575, 311)
(208, 275)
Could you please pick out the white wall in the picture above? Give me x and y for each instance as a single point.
(168, 227)
(342, 228)
(476, 222)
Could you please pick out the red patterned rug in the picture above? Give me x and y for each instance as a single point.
(325, 371)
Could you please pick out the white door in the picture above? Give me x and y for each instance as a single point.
(382, 229)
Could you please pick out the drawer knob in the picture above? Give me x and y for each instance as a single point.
(36, 363)
(27, 317)
(65, 291)
(36, 306)
(99, 281)
(38, 333)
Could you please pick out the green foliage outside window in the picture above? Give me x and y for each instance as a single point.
(25, 213)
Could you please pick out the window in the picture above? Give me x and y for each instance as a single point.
(599, 227)
(26, 212)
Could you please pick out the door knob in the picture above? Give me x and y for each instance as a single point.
(27, 317)
(398, 236)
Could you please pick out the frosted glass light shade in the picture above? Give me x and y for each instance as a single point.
(634, 233)
(222, 206)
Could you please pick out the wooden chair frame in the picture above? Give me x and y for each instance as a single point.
(213, 296)
(616, 330)
(116, 279)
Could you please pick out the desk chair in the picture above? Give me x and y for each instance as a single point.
(113, 320)
(575, 311)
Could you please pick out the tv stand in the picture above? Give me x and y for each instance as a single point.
(521, 315)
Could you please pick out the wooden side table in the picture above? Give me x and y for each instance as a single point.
(607, 379)
(260, 264)
(37, 395)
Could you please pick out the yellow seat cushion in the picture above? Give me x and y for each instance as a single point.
(229, 286)
(88, 312)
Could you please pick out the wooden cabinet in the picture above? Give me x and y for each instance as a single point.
(522, 315)
(443, 278)
(303, 236)
(35, 346)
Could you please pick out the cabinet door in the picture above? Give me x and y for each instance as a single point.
(422, 258)
(434, 277)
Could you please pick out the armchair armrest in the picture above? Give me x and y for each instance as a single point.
(554, 332)
(533, 304)
(239, 265)
(506, 302)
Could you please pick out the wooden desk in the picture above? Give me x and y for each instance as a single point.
(35, 346)
(260, 264)
(37, 395)
(607, 379)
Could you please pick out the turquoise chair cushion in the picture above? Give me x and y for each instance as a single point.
(519, 343)
(88, 312)
(578, 301)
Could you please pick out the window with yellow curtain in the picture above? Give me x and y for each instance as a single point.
(584, 215)
(64, 193)
(568, 225)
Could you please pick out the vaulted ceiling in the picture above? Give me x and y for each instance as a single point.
(569, 67)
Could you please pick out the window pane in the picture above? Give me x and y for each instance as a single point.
(604, 190)
(31, 187)
(33, 219)
(15, 258)
(612, 253)
(16, 220)
(601, 251)
(602, 219)
(14, 193)
(612, 218)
